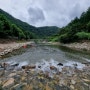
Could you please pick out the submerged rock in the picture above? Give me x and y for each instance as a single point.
(60, 64)
(28, 67)
(53, 68)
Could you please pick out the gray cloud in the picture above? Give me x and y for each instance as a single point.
(45, 12)
(76, 11)
(36, 15)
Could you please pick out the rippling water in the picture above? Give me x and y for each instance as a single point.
(39, 53)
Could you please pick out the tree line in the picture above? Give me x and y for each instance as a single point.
(77, 30)
(10, 30)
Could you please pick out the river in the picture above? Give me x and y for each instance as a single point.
(51, 53)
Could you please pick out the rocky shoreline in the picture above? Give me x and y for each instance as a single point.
(9, 47)
(45, 76)
(85, 46)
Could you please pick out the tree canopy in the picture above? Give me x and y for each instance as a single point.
(77, 29)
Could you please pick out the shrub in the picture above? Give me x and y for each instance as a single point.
(64, 38)
(83, 36)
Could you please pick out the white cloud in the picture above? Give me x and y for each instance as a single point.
(45, 12)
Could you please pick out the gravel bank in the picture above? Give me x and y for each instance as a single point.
(79, 46)
(9, 47)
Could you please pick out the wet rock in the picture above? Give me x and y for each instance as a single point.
(18, 87)
(53, 68)
(75, 65)
(68, 70)
(10, 68)
(14, 65)
(28, 87)
(62, 82)
(29, 67)
(47, 74)
(0, 82)
(60, 64)
(1, 66)
(8, 83)
(15, 87)
(86, 80)
(81, 86)
(17, 78)
(47, 88)
(72, 87)
(39, 66)
(4, 65)
(64, 88)
(86, 63)
(23, 79)
(2, 72)
(73, 81)
(12, 74)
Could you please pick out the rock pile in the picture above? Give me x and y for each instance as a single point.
(33, 77)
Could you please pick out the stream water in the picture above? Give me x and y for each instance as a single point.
(48, 53)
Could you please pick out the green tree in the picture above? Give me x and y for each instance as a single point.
(88, 26)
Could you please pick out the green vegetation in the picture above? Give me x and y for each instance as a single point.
(47, 31)
(22, 25)
(78, 29)
(9, 30)
(21, 29)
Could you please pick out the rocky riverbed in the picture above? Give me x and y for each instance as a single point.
(45, 76)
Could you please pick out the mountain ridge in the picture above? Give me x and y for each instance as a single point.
(25, 26)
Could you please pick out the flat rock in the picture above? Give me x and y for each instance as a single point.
(73, 81)
(12, 74)
(72, 87)
(86, 80)
(8, 83)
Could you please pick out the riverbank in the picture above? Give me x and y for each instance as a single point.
(85, 46)
(45, 76)
(6, 48)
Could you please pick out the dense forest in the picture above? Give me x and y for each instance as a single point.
(47, 31)
(12, 27)
(9, 30)
(77, 30)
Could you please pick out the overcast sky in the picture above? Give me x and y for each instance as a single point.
(45, 12)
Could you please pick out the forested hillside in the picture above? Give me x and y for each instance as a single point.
(77, 30)
(11, 30)
(47, 31)
(29, 31)
(21, 24)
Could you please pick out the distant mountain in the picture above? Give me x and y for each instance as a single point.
(47, 31)
(21, 24)
(39, 32)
